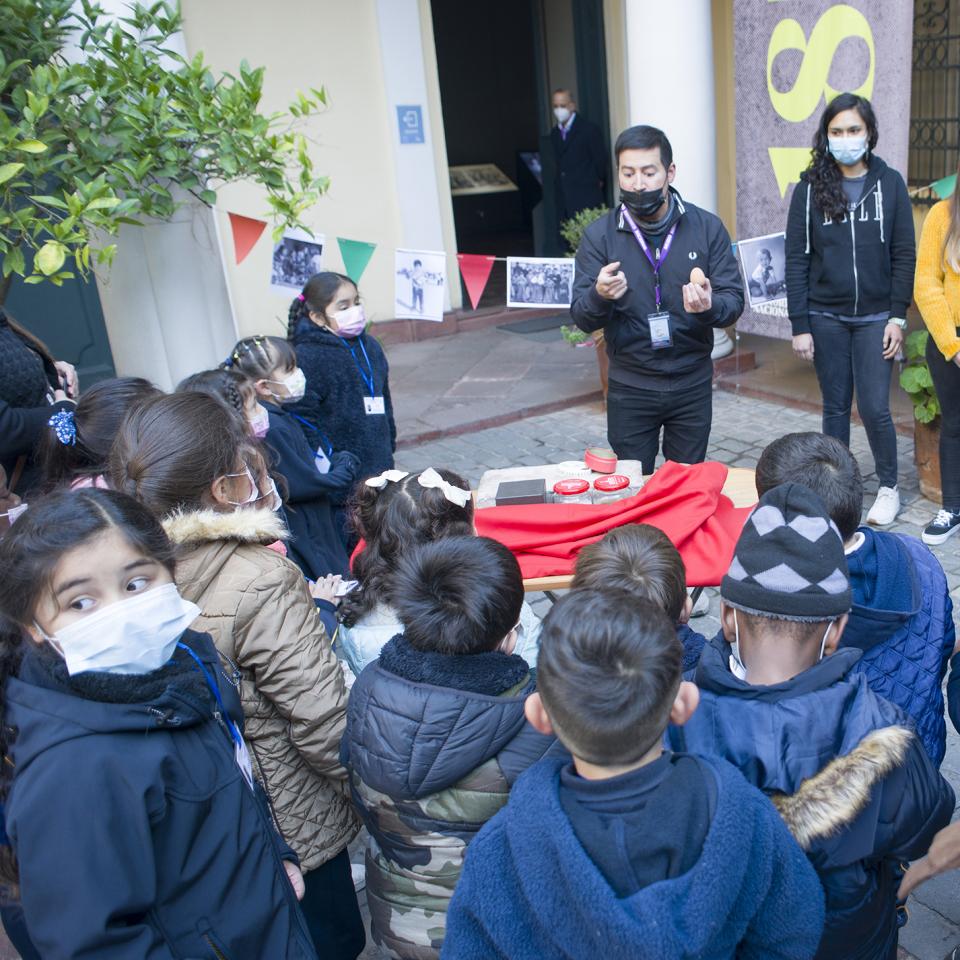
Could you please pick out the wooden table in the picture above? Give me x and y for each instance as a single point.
(740, 487)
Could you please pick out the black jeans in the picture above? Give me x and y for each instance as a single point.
(848, 354)
(946, 381)
(635, 418)
(330, 908)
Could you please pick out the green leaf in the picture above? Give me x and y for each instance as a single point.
(49, 201)
(30, 146)
(49, 258)
(102, 203)
(14, 262)
(209, 197)
(9, 170)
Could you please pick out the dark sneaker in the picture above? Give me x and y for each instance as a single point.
(943, 526)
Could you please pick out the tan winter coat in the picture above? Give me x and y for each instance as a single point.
(258, 609)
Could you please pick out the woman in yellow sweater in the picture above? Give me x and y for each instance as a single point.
(937, 292)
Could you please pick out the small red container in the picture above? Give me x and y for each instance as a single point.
(600, 459)
(616, 481)
(572, 490)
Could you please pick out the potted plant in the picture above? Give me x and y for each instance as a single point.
(572, 232)
(915, 379)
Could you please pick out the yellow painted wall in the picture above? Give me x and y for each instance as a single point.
(314, 43)
(725, 98)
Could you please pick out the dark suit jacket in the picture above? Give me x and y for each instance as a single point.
(581, 167)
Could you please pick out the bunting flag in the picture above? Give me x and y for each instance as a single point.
(475, 268)
(246, 232)
(356, 255)
(945, 187)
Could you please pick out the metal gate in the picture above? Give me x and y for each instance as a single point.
(935, 93)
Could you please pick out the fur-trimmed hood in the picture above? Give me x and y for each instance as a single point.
(832, 799)
(244, 526)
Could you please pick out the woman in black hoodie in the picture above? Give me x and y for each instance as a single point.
(850, 260)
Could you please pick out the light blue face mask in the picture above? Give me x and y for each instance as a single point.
(847, 150)
(737, 667)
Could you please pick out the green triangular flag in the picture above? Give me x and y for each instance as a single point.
(356, 255)
(945, 187)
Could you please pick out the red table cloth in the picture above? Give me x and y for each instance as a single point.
(685, 502)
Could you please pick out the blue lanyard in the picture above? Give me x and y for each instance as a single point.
(368, 381)
(215, 690)
(327, 445)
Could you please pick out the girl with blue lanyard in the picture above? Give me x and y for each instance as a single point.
(131, 803)
(346, 401)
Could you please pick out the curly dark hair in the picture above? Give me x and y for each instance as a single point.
(392, 520)
(824, 174)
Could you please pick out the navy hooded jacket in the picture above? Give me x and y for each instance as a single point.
(335, 370)
(859, 265)
(902, 620)
(136, 834)
(529, 890)
(852, 782)
(315, 543)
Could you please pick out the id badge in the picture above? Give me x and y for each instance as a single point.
(321, 460)
(374, 405)
(242, 755)
(660, 336)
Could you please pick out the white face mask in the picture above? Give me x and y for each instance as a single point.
(130, 636)
(847, 150)
(562, 114)
(737, 667)
(259, 423)
(295, 385)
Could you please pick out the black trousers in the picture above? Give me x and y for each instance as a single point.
(330, 908)
(946, 382)
(635, 418)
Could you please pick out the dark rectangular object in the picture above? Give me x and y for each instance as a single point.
(514, 493)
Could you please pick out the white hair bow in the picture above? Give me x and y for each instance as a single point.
(432, 480)
(388, 476)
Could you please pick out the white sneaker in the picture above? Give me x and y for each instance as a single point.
(885, 508)
(702, 607)
(722, 344)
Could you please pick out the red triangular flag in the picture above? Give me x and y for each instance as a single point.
(475, 268)
(246, 232)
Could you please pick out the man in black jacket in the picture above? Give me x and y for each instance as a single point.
(581, 159)
(634, 279)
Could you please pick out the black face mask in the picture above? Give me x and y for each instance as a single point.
(642, 203)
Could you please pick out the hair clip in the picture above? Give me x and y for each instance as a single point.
(430, 479)
(388, 476)
(228, 363)
(301, 297)
(64, 426)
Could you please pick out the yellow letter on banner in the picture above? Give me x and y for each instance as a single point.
(828, 33)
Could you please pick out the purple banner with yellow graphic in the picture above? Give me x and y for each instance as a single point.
(792, 57)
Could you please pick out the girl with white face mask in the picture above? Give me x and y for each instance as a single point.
(129, 792)
(347, 404)
(317, 482)
(187, 458)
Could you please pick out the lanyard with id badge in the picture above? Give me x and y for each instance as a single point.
(323, 453)
(372, 404)
(659, 321)
(240, 752)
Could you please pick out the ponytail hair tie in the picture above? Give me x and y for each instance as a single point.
(301, 297)
(64, 426)
(228, 363)
(431, 480)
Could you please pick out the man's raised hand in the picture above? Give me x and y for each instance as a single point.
(611, 283)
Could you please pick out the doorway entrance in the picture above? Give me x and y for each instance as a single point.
(498, 65)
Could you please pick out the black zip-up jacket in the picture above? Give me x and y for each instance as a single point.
(856, 266)
(701, 241)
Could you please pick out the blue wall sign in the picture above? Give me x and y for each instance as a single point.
(410, 121)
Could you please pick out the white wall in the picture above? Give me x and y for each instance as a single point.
(670, 82)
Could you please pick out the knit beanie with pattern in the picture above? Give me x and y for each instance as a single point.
(789, 561)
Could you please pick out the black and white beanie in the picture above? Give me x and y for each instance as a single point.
(789, 561)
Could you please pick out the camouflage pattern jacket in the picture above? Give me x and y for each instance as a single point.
(433, 745)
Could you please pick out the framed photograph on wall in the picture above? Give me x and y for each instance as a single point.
(539, 281)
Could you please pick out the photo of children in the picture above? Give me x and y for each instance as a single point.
(763, 260)
(539, 281)
(296, 258)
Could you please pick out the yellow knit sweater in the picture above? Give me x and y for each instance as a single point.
(936, 287)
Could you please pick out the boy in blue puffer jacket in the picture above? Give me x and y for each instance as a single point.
(901, 616)
(630, 852)
(785, 706)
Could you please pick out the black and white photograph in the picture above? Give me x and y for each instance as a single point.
(763, 261)
(420, 284)
(539, 281)
(296, 258)
(474, 178)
